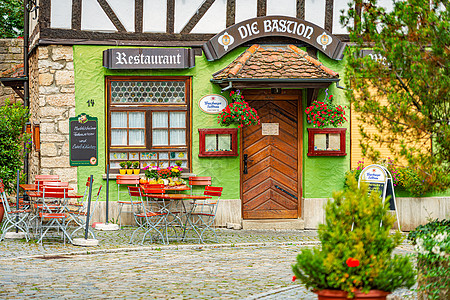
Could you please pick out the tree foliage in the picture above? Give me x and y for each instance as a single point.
(405, 93)
(12, 119)
(11, 14)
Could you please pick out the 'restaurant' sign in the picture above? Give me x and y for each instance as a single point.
(148, 58)
(248, 30)
(212, 104)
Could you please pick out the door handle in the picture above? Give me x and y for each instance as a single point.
(245, 164)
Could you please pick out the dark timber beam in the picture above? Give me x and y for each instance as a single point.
(231, 13)
(197, 16)
(138, 15)
(329, 15)
(111, 15)
(170, 16)
(76, 14)
(301, 9)
(262, 8)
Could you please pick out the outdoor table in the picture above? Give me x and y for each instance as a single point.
(145, 187)
(169, 199)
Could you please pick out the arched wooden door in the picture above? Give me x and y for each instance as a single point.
(270, 187)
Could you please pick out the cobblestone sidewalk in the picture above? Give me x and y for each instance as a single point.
(245, 265)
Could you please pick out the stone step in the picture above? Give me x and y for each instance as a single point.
(274, 224)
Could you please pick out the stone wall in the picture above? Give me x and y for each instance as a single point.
(52, 92)
(11, 54)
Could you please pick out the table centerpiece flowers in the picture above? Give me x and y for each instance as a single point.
(355, 258)
(325, 113)
(151, 172)
(238, 112)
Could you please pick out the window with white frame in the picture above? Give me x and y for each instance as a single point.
(148, 121)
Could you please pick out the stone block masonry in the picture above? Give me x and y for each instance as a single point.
(11, 54)
(52, 103)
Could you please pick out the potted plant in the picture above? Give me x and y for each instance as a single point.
(123, 166)
(175, 173)
(325, 113)
(129, 170)
(238, 112)
(164, 174)
(151, 172)
(136, 168)
(355, 259)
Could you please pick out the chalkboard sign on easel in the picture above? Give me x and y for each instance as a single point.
(83, 140)
(378, 178)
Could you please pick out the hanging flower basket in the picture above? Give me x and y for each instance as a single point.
(238, 112)
(325, 114)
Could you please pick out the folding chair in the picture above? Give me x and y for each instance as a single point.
(40, 179)
(52, 212)
(151, 218)
(13, 218)
(204, 212)
(195, 181)
(124, 180)
(79, 216)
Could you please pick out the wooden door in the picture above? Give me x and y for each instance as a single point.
(270, 189)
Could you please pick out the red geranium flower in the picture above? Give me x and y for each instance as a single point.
(352, 262)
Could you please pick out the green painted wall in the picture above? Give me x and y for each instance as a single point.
(321, 175)
(90, 84)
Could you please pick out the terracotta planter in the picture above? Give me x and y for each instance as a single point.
(336, 294)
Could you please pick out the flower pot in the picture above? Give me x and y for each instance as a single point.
(123, 171)
(136, 171)
(129, 172)
(166, 181)
(337, 294)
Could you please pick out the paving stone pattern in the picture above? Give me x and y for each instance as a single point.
(245, 265)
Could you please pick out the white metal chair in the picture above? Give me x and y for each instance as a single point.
(204, 212)
(150, 219)
(16, 219)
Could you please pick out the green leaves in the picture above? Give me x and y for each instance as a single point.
(11, 13)
(406, 96)
(12, 121)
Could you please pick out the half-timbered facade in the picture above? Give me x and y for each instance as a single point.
(140, 70)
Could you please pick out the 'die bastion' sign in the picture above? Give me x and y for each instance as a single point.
(83, 140)
(212, 104)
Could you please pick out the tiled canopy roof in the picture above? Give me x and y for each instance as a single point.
(14, 72)
(275, 62)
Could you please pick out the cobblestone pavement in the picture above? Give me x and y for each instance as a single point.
(245, 265)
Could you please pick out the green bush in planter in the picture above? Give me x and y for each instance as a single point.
(432, 243)
(356, 252)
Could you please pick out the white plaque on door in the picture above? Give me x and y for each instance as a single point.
(270, 128)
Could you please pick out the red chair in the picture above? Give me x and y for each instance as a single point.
(125, 180)
(196, 181)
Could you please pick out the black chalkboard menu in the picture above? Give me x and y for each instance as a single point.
(83, 140)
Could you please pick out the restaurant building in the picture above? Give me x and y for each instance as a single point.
(148, 79)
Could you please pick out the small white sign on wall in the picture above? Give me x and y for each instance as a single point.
(270, 128)
(212, 104)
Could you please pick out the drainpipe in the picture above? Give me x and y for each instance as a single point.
(26, 92)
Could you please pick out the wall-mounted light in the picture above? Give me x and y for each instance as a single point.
(275, 90)
(36, 137)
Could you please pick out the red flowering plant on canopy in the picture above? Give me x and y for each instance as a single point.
(325, 114)
(238, 112)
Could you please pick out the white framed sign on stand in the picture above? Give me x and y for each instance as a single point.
(378, 178)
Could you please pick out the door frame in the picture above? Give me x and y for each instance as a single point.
(267, 95)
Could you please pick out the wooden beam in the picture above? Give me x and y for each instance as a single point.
(76, 14)
(231, 13)
(170, 16)
(44, 13)
(138, 15)
(329, 6)
(18, 92)
(311, 95)
(112, 15)
(197, 16)
(262, 8)
(301, 9)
